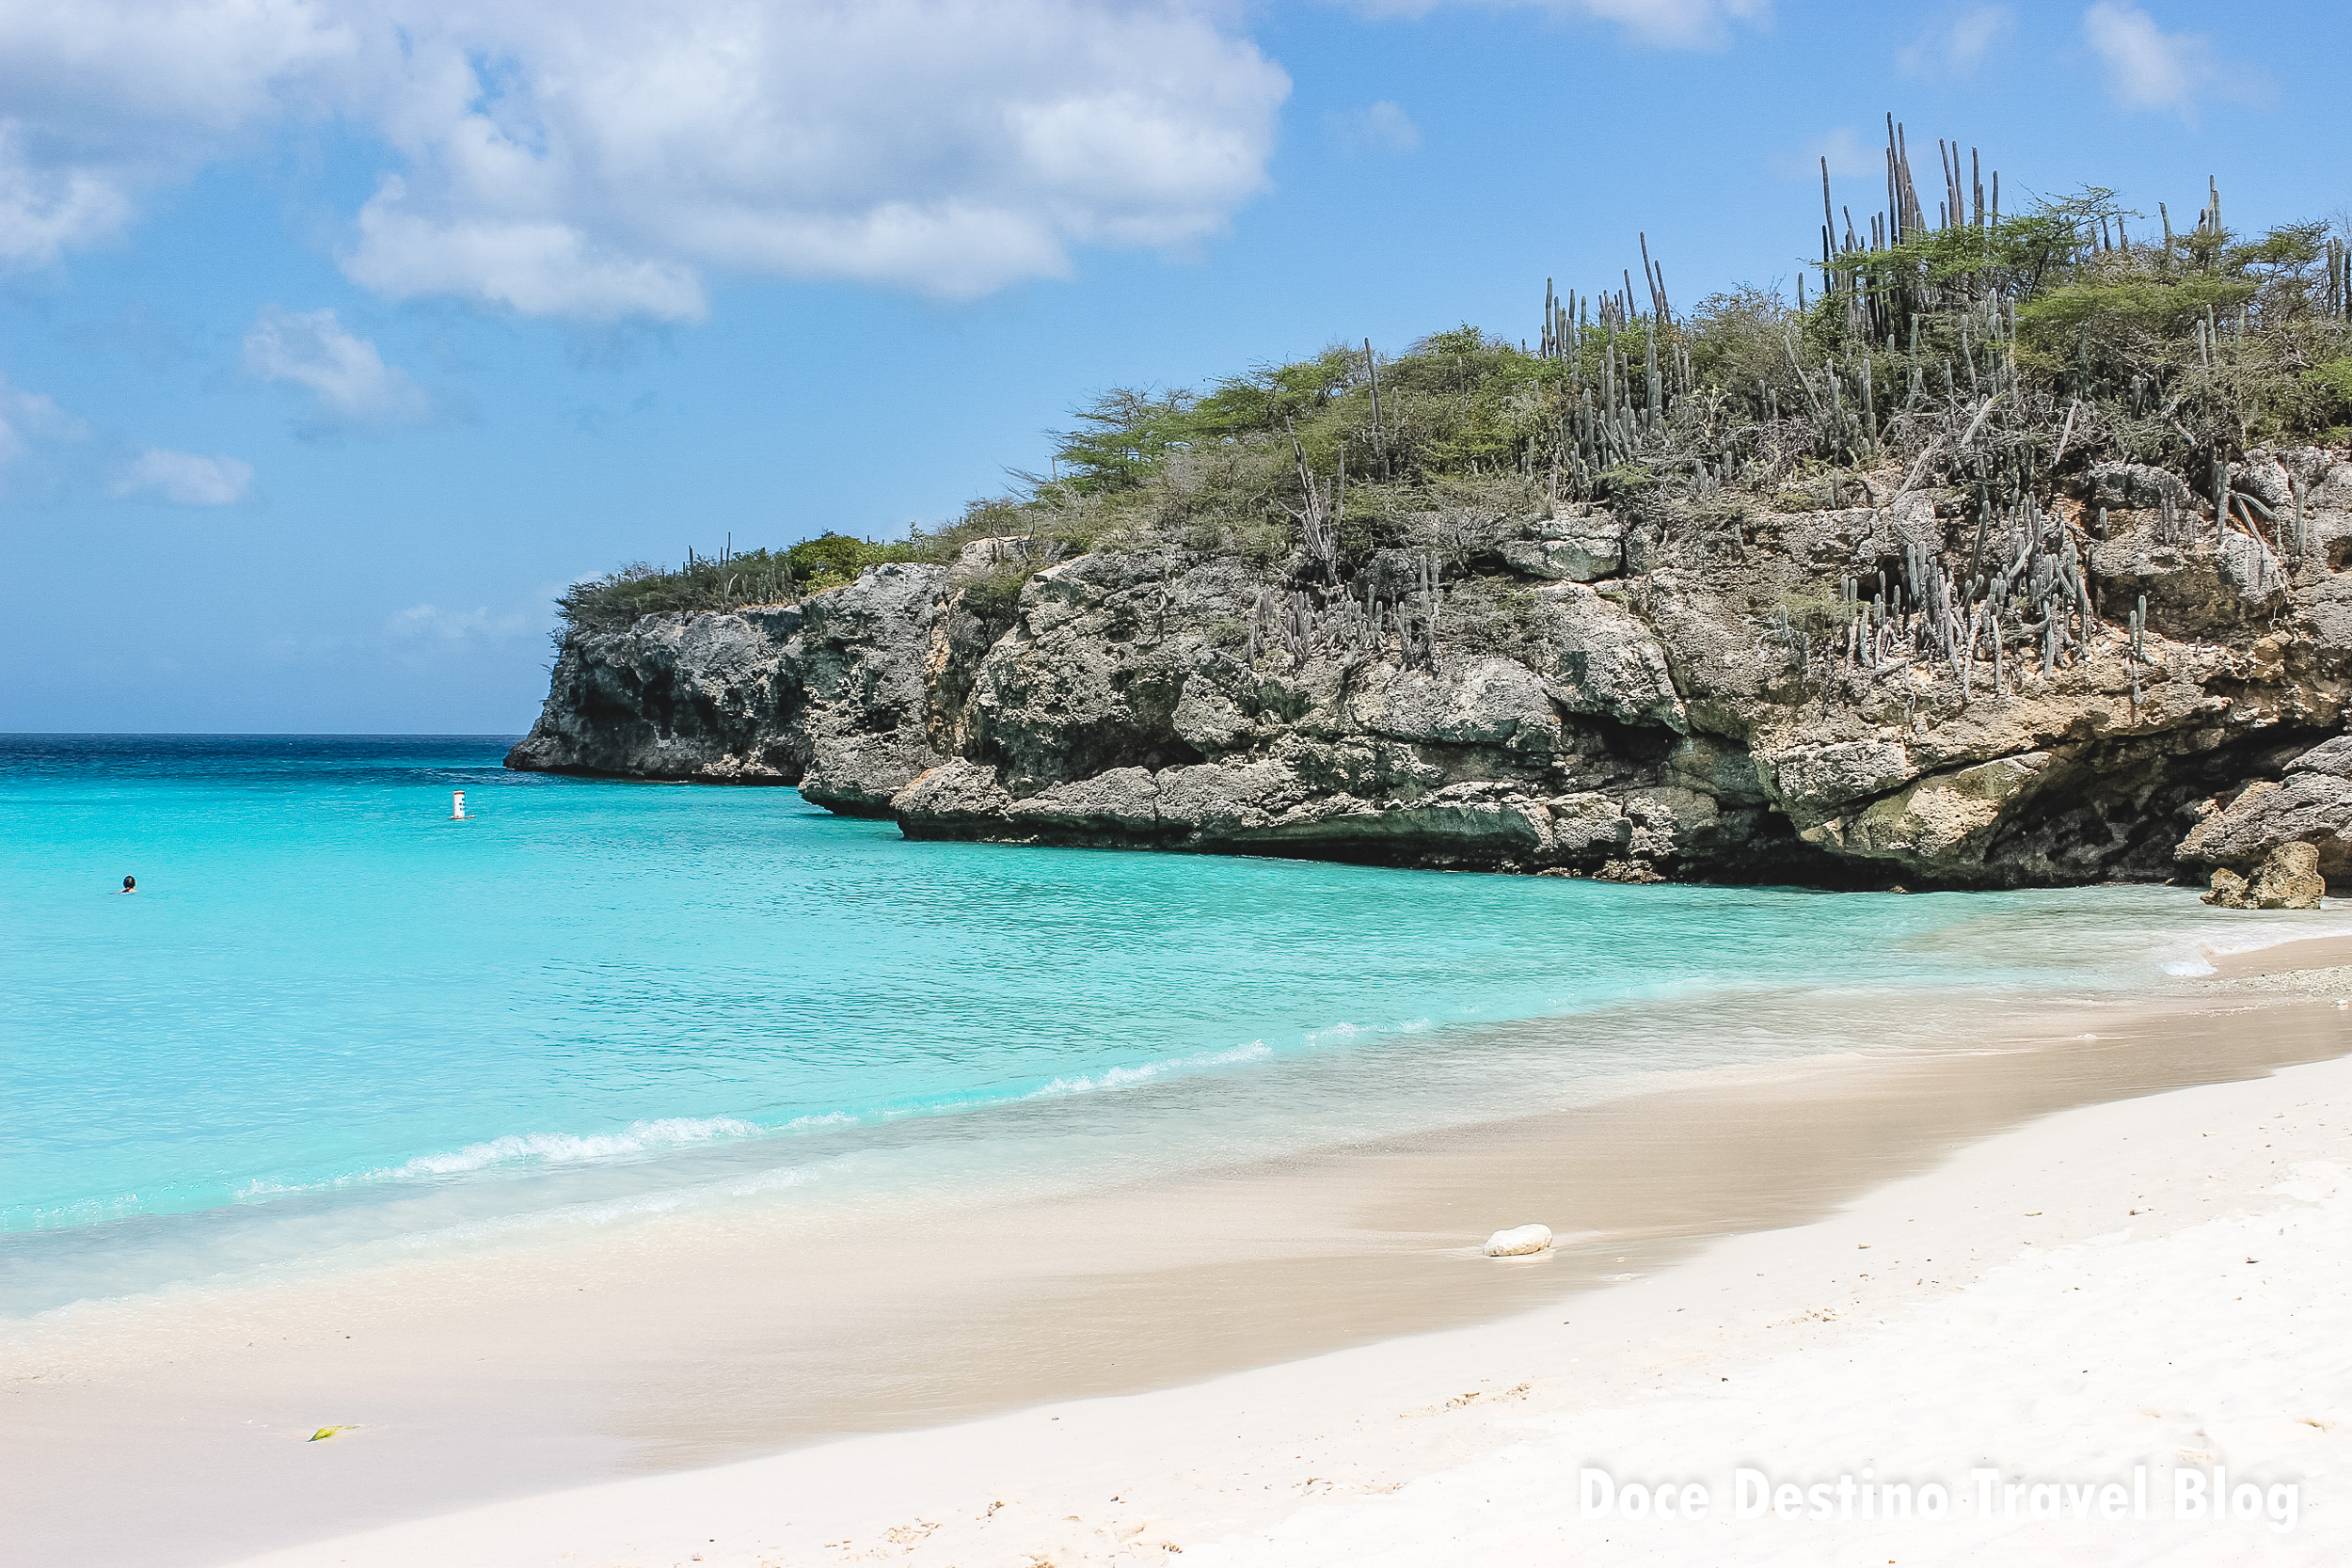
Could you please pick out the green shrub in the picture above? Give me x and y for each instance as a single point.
(832, 559)
(993, 595)
(727, 581)
(1963, 350)
(2333, 380)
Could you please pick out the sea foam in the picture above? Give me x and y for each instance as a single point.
(527, 1149)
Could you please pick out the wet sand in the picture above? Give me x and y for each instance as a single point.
(174, 1434)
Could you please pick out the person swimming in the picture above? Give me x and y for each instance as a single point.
(130, 884)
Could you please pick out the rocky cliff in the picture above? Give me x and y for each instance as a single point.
(1783, 688)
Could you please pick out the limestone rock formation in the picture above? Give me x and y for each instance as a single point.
(863, 656)
(714, 698)
(1578, 545)
(2288, 879)
(1737, 693)
(2311, 805)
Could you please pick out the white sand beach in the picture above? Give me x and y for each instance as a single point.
(2062, 1319)
(813, 784)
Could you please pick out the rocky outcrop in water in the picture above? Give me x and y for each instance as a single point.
(831, 695)
(2310, 804)
(714, 698)
(2288, 878)
(1638, 694)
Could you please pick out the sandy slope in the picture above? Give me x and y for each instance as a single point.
(2063, 1303)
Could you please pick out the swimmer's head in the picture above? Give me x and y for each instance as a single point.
(130, 884)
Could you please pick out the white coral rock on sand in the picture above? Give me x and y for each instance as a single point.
(1519, 1240)
(2119, 1350)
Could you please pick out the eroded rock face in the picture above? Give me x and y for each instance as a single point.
(714, 698)
(832, 694)
(2311, 805)
(1584, 544)
(2288, 879)
(864, 658)
(1631, 706)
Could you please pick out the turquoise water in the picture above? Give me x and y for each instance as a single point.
(331, 1020)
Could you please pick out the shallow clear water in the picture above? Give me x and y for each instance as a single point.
(332, 1019)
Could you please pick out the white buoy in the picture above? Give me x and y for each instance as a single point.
(1519, 1240)
(457, 806)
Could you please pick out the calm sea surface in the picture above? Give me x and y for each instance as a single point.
(333, 1026)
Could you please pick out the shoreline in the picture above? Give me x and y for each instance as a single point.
(1758, 1014)
(1460, 1447)
(1230, 1276)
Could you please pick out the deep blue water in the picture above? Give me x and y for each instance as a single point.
(333, 1018)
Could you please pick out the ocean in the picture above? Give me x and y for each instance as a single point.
(334, 1026)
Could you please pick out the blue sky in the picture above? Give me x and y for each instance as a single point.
(337, 337)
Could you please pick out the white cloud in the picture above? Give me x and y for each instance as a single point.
(185, 478)
(34, 428)
(594, 159)
(1959, 47)
(28, 419)
(1848, 158)
(540, 268)
(45, 209)
(1678, 21)
(106, 99)
(1382, 127)
(355, 389)
(1673, 24)
(432, 624)
(2147, 67)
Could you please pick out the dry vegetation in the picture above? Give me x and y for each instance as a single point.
(1988, 352)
